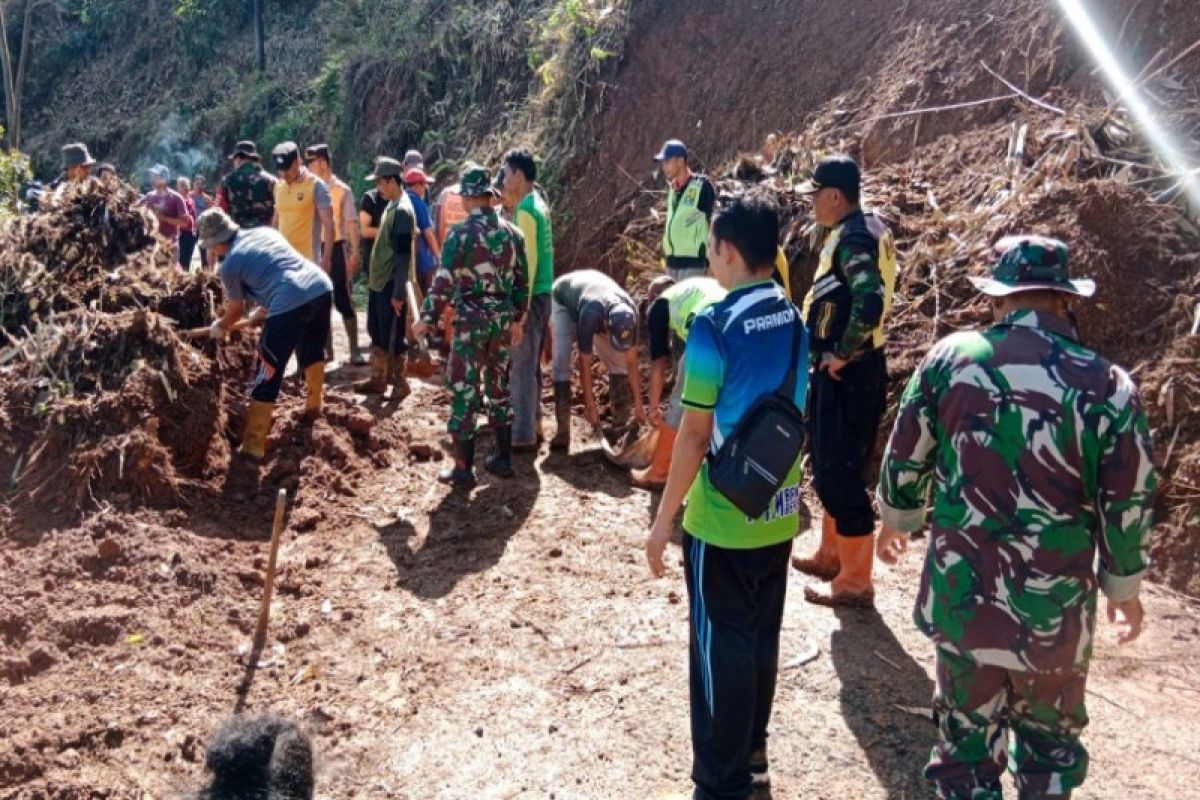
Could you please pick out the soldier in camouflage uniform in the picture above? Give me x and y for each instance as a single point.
(248, 193)
(1035, 455)
(483, 276)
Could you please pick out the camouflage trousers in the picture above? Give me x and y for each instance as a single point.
(478, 371)
(979, 708)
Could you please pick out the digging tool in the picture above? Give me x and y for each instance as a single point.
(264, 610)
(631, 455)
(420, 365)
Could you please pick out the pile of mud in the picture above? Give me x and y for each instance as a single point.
(107, 400)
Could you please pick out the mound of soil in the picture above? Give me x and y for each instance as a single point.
(108, 403)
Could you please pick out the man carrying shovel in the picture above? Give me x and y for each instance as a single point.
(295, 297)
(390, 269)
(483, 276)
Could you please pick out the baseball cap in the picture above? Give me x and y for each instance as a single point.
(315, 151)
(284, 155)
(386, 168)
(160, 171)
(672, 148)
(622, 327)
(413, 158)
(415, 175)
(1029, 263)
(834, 172)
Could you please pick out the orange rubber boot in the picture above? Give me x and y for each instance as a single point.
(655, 475)
(824, 563)
(852, 587)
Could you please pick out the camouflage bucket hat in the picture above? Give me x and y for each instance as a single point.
(1029, 263)
(475, 181)
(214, 227)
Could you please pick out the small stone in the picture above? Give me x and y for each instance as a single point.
(555, 552)
(109, 550)
(479, 732)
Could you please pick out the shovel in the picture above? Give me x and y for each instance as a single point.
(633, 455)
(420, 365)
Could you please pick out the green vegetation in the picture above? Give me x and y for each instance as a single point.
(368, 76)
(14, 174)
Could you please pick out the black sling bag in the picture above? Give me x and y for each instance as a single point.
(754, 461)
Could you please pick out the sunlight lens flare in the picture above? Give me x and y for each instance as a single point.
(1160, 139)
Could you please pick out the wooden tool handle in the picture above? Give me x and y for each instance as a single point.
(264, 610)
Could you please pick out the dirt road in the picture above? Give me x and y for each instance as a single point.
(509, 644)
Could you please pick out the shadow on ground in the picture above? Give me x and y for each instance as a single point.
(879, 681)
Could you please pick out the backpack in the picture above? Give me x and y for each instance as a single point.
(754, 461)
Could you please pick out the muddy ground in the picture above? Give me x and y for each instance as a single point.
(506, 644)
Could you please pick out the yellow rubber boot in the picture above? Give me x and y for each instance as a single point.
(852, 588)
(824, 563)
(314, 379)
(655, 475)
(256, 429)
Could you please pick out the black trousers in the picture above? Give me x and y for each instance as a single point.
(843, 419)
(302, 331)
(343, 300)
(382, 321)
(736, 609)
(187, 247)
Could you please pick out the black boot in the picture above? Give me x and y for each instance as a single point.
(462, 474)
(500, 462)
(562, 416)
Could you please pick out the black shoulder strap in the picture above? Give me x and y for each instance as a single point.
(788, 389)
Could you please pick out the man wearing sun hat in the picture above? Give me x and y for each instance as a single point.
(483, 275)
(1035, 456)
(691, 198)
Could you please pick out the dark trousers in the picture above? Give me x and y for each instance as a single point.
(302, 331)
(843, 418)
(187, 247)
(736, 609)
(384, 325)
(343, 300)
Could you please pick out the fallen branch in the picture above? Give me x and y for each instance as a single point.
(1020, 92)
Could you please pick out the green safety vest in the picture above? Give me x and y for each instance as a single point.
(534, 206)
(686, 233)
(688, 298)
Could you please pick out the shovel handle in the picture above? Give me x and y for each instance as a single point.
(411, 291)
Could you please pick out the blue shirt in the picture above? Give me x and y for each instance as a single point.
(264, 267)
(739, 350)
(426, 262)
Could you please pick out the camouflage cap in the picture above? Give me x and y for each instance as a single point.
(386, 168)
(622, 327)
(215, 227)
(475, 181)
(1029, 263)
(76, 155)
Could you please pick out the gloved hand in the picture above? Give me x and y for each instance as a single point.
(259, 317)
(216, 331)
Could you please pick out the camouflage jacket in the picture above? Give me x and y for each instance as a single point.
(1037, 454)
(248, 194)
(483, 272)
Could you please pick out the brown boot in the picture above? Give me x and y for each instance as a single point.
(562, 416)
(397, 376)
(378, 382)
(655, 475)
(822, 564)
(852, 587)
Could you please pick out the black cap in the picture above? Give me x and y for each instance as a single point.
(317, 151)
(284, 155)
(835, 172)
